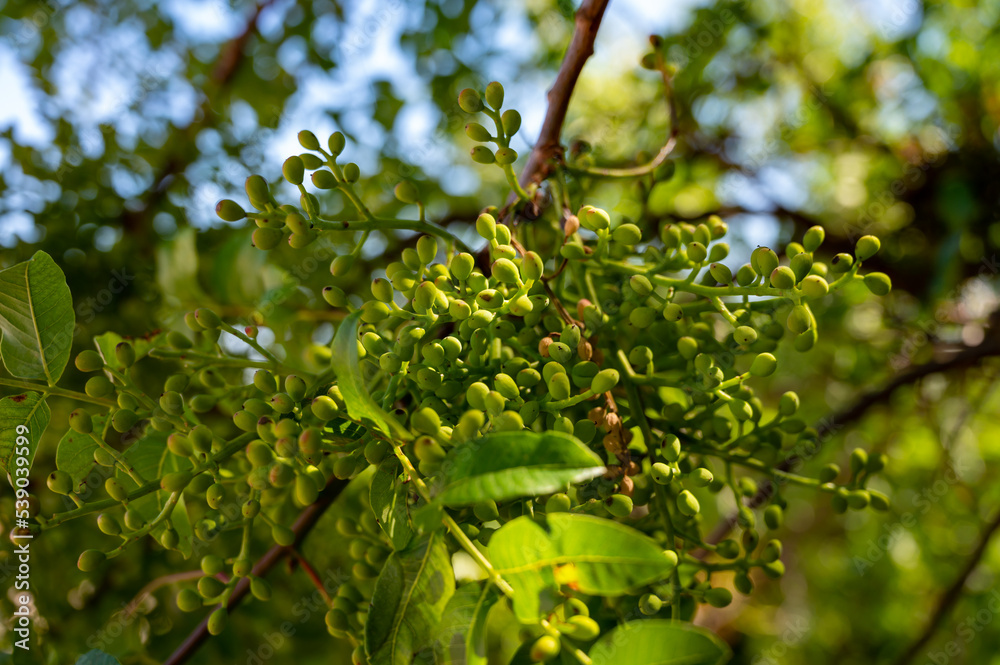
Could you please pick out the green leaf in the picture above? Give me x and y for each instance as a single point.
(25, 411)
(410, 596)
(461, 634)
(594, 555)
(347, 366)
(75, 453)
(388, 501)
(97, 657)
(36, 319)
(475, 639)
(659, 642)
(507, 465)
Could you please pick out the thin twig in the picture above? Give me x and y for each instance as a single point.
(308, 569)
(951, 595)
(581, 47)
(661, 156)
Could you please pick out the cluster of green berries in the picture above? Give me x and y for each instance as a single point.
(639, 344)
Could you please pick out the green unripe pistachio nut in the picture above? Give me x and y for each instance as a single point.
(841, 263)
(661, 473)
(90, 560)
(728, 549)
(544, 649)
(115, 489)
(745, 335)
(336, 143)
(813, 238)
(782, 278)
(721, 273)
(294, 169)
(511, 121)
(188, 600)
(229, 211)
(60, 482)
(494, 95)
(477, 132)
(89, 361)
(670, 448)
(604, 381)
(486, 226)
(324, 408)
(719, 597)
(763, 260)
(627, 234)
(482, 155)
(687, 504)
(799, 319)
(593, 219)
(866, 247)
(324, 179)
(81, 422)
(217, 621)
(746, 275)
(99, 386)
(619, 505)
(696, 252)
(505, 156)
(650, 604)
(774, 516)
(260, 588)
(470, 101)
(788, 404)
(559, 386)
(878, 283)
(426, 421)
(558, 503)
(257, 192)
(125, 354)
(308, 140)
(763, 365)
(814, 286)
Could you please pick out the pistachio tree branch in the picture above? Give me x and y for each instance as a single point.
(581, 47)
(951, 595)
(303, 525)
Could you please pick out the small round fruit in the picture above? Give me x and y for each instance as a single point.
(60, 482)
(90, 559)
(545, 648)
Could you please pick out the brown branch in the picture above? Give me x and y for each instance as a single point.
(310, 572)
(951, 595)
(306, 521)
(581, 47)
(828, 427)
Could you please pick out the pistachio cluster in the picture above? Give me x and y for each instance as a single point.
(640, 347)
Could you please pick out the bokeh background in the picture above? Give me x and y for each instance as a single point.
(123, 122)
